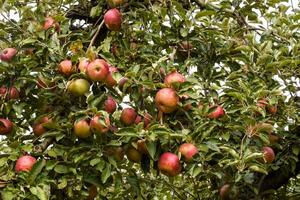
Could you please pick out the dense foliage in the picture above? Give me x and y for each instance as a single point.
(240, 58)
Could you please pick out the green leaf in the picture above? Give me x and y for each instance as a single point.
(63, 183)
(36, 170)
(151, 147)
(95, 161)
(106, 173)
(39, 192)
(61, 169)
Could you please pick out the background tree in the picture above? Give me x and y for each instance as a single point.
(201, 96)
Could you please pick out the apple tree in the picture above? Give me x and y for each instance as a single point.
(174, 99)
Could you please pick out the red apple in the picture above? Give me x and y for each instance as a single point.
(82, 129)
(169, 164)
(173, 78)
(138, 119)
(142, 147)
(25, 163)
(66, 67)
(166, 100)
(78, 87)
(110, 105)
(14, 93)
(122, 83)
(6, 126)
(50, 22)
(3, 91)
(97, 70)
(38, 126)
(8, 54)
(83, 64)
(100, 127)
(114, 3)
(217, 112)
(110, 81)
(133, 155)
(224, 191)
(269, 155)
(128, 116)
(188, 150)
(113, 19)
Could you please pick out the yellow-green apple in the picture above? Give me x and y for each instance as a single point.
(169, 164)
(133, 155)
(115, 3)
(166, 100)
(78, 87)
(82, 129)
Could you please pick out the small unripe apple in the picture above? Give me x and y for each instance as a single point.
(166, 100)
(110, 105)
(38, 127)
(97, 70)
(113, 19)
(128, 116)
(6, 126)
(173, 78)
(82, 129)
(78, 87)
(114, 3)
(169, 164)
(224, 191)
(8, 54)
(66, 67)
(133, 155)
(110, 81)
(217, 112)
(50, 22)
(100, 127)
(83, 64)
(25, 163)
(188, 150)
(269, 155)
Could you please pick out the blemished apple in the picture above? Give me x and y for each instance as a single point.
(188, 150)
(110, 105)
(224, 191)
(169, 164)
(66, 67)
(82, 129)
(110, 81)
(100, 127)
(83, 64)
(6, 126)
(133, 154)
(50, 22)
(128, 116)
(78, 87)
(97, 70)
(25, 163)
(269, 155)
(174, 78)
(114, 3)
(217, 112)
(166, 100)
(113, 19)
(8, 54)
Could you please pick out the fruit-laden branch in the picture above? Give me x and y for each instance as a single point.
(280, 177)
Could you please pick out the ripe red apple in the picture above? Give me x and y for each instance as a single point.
(8, 54)
(110, 81)
(82, 129)
(6, 126)
(113, 19)
(133, 155)
(66, 67)
(97, 70)
(38, 126)
(138, 119)
(25, 163)
(83, 64)
(110, 105)
(269, 155)
(166, 100)
(100, 127)
(188, 150)
(128, 116)
(173, 78)
(3, 91)
(114, 3)
(78, 87)
(217, 112)
(169, 164)
(14, 93)
(50, 22)
(224, 191)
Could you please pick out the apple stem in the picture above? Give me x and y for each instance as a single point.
(97, 32)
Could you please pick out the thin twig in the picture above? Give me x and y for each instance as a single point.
(95, 35)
